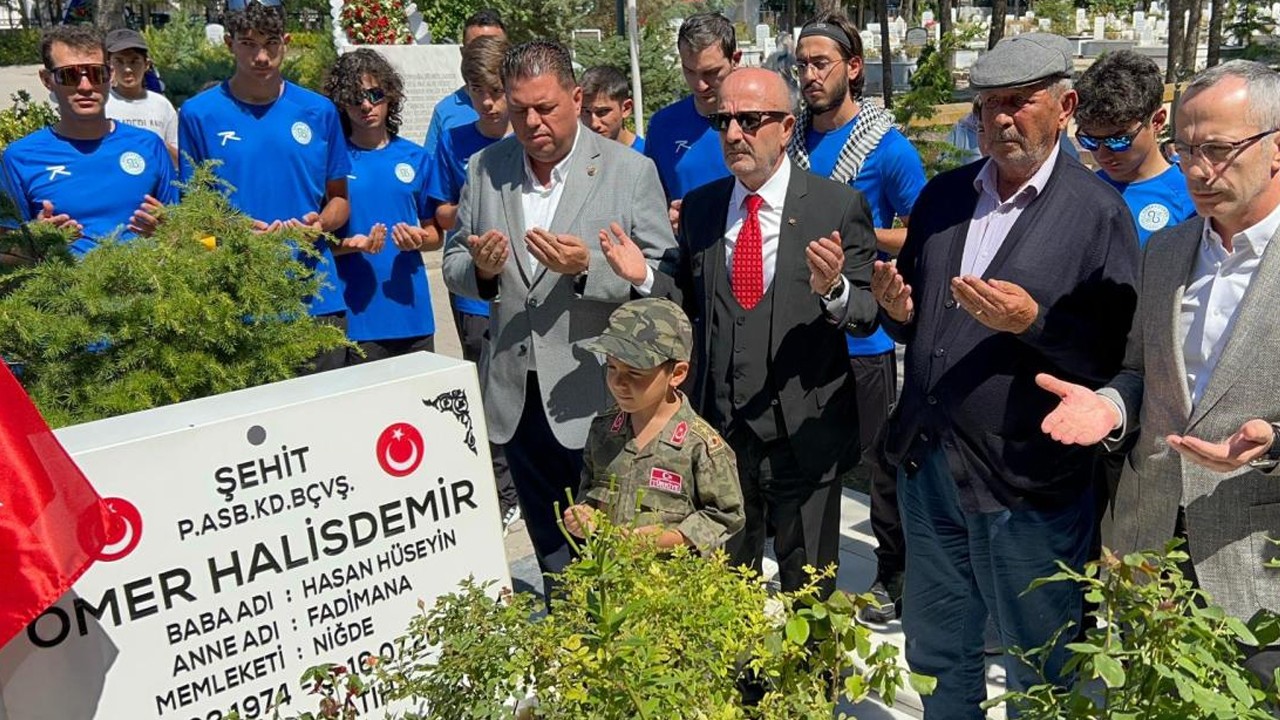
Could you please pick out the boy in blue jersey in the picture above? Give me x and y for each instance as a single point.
(1119, 120)
(681, 142)
(388, 300)
(840, 137)
(482, 75)
(455, 108)
(606, 105)
(88, 173)
(281, 148)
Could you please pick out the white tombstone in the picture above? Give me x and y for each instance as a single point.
(214, 33)
(1099, 28)
(926, 17)
(870, 38)
(1045, 24)
(1081, 21)
(763, 35)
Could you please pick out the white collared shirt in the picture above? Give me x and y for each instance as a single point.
(773, 193)
(540, 202)
(993, 218)
(1213, 295)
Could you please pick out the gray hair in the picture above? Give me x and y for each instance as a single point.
(1261, 82)
(537, 58)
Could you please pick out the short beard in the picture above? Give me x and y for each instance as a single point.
(838, 95)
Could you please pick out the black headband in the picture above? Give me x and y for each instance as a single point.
(829, 31)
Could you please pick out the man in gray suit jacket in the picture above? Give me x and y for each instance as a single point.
(1201, 377)
(528, 202)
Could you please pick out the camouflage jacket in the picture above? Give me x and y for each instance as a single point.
(685, 479)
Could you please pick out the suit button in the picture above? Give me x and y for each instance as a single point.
(741, 320)
(932, 400)
(533, 302)
(924, 438)
(739, 349)
(949, 304)
(939, 352)
(911, 466)
(523, 349)
(774, 402)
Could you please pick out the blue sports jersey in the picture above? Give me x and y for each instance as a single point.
(638, 144)
(453, 110)
(387, 294)
(278, 158)
(99, 183)
(685, 149)
(891, 179)
(1156, 203)
(447, 175)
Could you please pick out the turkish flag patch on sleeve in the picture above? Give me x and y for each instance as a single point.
(667, 480)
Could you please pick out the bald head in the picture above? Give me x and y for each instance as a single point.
(763, 88)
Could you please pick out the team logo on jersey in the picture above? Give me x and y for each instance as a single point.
(404, 172)
(228, 135)
(56, 170)
(1153, 217)
(681, 145)
(132, 163)
(301, 132)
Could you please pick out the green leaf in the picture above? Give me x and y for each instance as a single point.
(1084, 648)
(798, 630)
(1110, 670)
(923, 684)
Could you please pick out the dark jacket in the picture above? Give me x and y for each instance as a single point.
(808, 351)
(971, 390)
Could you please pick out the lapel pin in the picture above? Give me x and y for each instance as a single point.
(591, 171)
(791, 221)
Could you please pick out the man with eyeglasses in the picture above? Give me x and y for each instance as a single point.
(680, 142)
(1020, 265)
(774, 267)
(1201, 378)
(281, 148)
(840, 137)
(1120, 117)
(88, 173)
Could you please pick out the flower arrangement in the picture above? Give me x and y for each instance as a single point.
(376, 22)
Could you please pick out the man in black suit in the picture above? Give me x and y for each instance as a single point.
(1013, 266)
(770, 304)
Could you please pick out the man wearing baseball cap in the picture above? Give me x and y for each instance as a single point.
(130, 101)
(651, 463)
(1020, 264)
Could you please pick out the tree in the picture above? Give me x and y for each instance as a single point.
(999, 8)
(886, 56)
(1215, 32)
(1177, 35)
(1191, 37)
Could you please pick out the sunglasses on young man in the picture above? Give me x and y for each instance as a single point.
(1114, 143)
(70, 75)
(375, 96)
(749, 120)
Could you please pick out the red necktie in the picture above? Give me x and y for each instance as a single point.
(747, 274)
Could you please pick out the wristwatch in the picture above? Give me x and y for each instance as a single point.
(836, 288)
(1271, 458)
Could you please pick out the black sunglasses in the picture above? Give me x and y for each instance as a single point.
(239, 5)
(69, 75)
(748, 120)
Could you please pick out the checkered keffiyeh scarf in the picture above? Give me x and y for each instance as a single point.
(872, 124)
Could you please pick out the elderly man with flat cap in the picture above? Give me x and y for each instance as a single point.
(1019, 264)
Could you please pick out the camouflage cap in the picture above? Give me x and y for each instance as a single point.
(645, 333)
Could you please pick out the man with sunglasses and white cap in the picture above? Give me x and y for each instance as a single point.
(281, 147)
(774, 265)
(1021, 264)
(1199, 385)
(87, 172)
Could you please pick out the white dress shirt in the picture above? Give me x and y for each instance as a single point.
(540, 202)
(993, 218)
(773, 193)
(1214, 293)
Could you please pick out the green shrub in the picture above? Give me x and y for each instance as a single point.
(158, 320)
(311, 54)
(1156, 647)
(659, 64)
(24, 117)
(20, 46)
(186, 59)
(634, 634)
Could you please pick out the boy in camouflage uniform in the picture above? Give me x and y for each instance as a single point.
(652, 445)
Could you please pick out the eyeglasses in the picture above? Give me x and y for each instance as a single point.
(1114, 143)
(375, 95)
(1217, 152)
(240, 5)
(69, 75)
(749, 120)
(820, 66)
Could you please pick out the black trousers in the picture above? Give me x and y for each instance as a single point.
(802, 513)
(473, 333)
(544, 473)
(876, 383)
(383, 349)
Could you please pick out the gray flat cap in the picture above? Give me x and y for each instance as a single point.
(1022, 60)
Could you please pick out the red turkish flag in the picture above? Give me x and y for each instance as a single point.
(52, 522)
